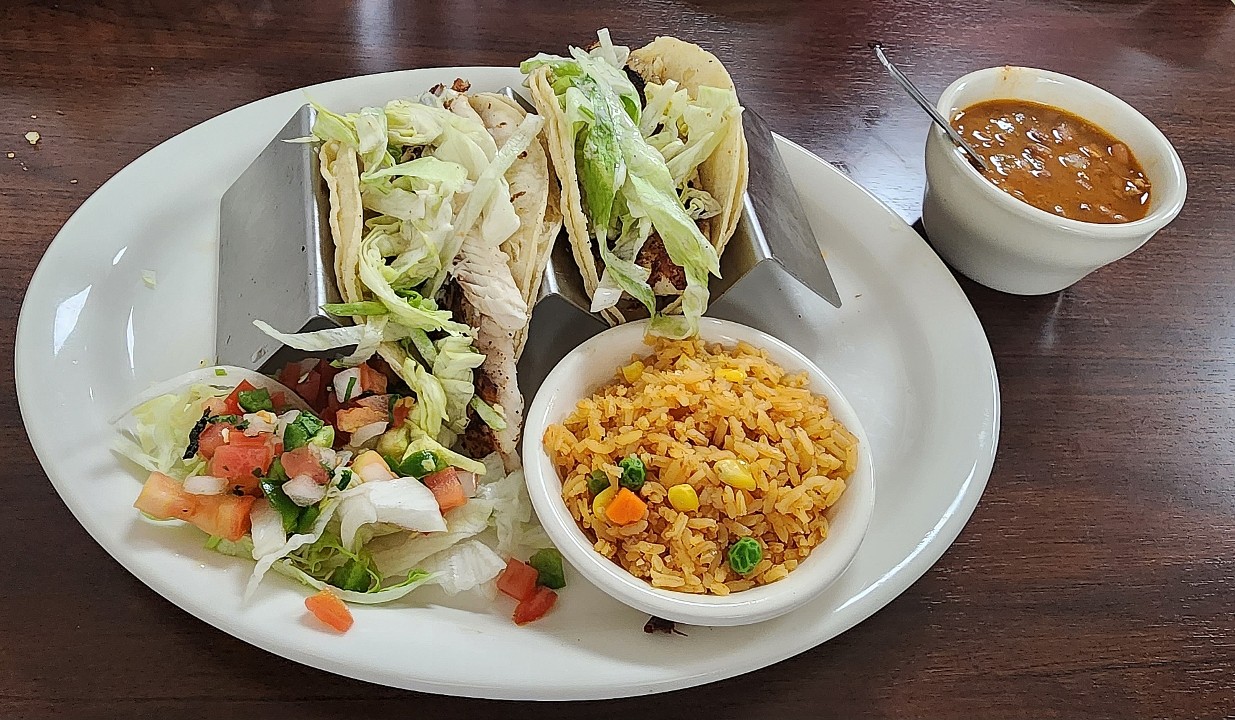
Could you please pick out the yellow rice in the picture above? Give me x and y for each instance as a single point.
(681, 410)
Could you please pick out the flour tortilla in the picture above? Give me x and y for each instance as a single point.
(725, 173)
(340, 169)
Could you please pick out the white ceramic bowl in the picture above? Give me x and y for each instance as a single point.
(1009, 245)
(595, 363)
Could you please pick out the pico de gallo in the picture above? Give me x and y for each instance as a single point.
(319, 477)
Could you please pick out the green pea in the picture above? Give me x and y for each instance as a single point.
(633, 473)
(597, 482)
(744, 555)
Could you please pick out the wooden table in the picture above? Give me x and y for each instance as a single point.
(1095, 578)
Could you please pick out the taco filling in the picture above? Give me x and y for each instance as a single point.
(650, 151)
(441, 213)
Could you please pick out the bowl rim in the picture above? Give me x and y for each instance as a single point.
(749, 606)
(1175, 192)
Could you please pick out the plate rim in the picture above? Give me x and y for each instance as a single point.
(916, 564)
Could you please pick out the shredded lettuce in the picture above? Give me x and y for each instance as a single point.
(404, 502)
(155, 432)
(454, 359)
(488, 414)
(366, 337)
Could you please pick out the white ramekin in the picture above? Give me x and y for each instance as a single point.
(1009, 245)
(595, 363)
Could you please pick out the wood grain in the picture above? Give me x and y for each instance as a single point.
(1095, 578)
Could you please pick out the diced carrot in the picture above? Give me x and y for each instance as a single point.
(371, 381)
(447, 489)
(535, 607)
(518, 580)
(626, 508)
(327, 607)
(352, 419)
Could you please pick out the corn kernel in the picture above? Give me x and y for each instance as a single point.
(633, 371)
(731, 374)
(601, 502)
(735, 473)
(683, 498)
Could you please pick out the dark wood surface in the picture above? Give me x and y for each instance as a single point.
(1096, 577)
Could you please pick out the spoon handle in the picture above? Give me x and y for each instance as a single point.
(977, 160)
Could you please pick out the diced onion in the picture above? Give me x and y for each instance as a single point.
(371, 467)
(267, 529)
(260, 422)
(304, 490)
(468, 481)
(351, 377)
(286, 419)
(324, 455)
(366, 433)
(204, 485)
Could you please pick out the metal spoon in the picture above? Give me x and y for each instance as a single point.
(974, 158)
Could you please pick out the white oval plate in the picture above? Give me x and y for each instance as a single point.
(906, 349)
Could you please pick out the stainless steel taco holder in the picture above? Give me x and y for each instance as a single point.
(276, 259)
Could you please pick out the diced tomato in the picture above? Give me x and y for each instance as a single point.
(371, 381)
(310, 389)
(212, 439)
(239, 439)
(330, 409)
(535, 607)
(224, 515)
(290, 374)
(241, 465)
(352, 419)
(377, 402)
(301, 461)
(328, 372)
(446, 488)
(399, 415)
(163, 498)
(278, 400)
(232, 403)
(518, 580)
(327, 607)
(216, 406)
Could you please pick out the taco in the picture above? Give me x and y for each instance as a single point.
(650, 151)
(442, 210)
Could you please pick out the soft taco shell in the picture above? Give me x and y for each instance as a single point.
(340, 169)
(724, 173)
